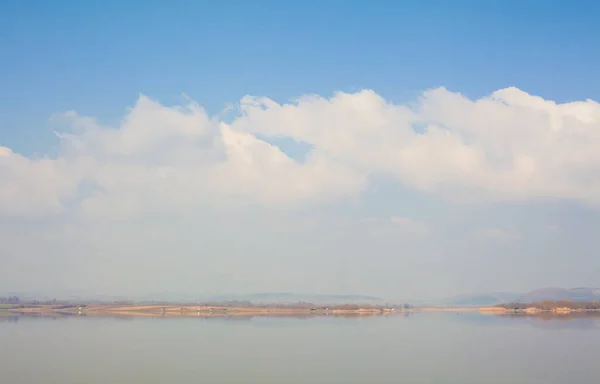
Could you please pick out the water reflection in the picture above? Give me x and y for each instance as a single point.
(9, 318)
(414, 347)
(574, 320)
(205, 316)
(545, 320)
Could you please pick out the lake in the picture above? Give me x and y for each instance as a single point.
(415, 348)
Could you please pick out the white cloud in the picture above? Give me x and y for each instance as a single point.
(508, 146)
(29, 186)
(165, 159)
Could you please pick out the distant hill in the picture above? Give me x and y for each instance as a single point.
(489, 299)
(286, 298)
(261, 298)
(582, 294)
(573, 294)
(256, 298)
(66, 295)
(494, 298)
(480, 300)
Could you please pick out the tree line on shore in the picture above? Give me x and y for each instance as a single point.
(10, 300)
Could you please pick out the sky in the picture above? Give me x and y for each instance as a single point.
(407, 149)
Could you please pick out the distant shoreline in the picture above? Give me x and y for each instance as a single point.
(173, 310)
(190, 310)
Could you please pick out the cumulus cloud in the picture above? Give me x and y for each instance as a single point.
(164, 159)
(30, 186)
(510, 145)
(507, 146)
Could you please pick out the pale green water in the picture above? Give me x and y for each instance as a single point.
(421, 348)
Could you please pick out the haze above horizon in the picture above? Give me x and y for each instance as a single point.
(408, 150)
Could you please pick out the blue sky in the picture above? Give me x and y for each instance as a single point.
(97, 58)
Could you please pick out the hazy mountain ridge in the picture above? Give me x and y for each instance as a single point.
(264, 298)
(484, 299)
(583, 294)
(284, 298)
(478, 300)
(255, 298)
(573, 294)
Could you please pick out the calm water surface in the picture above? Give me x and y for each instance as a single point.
(419, 348)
